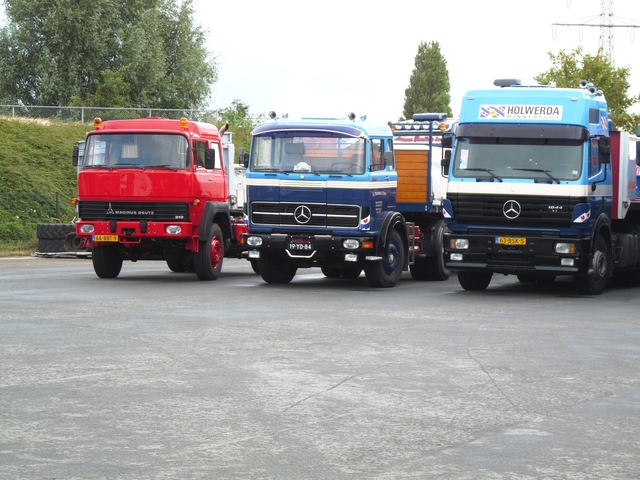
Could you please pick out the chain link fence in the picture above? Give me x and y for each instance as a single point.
(87, 114)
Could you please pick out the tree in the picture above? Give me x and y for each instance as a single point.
(240, 123)
(569, 68)
(139, 53)
(429, 85)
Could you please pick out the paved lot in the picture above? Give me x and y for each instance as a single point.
(158, 375)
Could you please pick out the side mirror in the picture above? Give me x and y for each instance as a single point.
(446, 162)
(605, 150)
(210, 158)
(388, 159)
(447, 140)
(245, 160)
(76, 154)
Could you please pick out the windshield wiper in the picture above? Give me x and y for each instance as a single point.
(539, 170)
(489, 171)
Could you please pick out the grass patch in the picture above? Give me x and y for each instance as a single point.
(18, 248)
(37, 179)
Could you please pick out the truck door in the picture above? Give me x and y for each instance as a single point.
(210, 183)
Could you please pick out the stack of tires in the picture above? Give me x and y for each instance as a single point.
(51, 236)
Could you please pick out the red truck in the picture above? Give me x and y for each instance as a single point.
(157, 189)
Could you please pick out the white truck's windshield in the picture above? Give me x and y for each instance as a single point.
(136, 151)
(317, 154)
(540, 159)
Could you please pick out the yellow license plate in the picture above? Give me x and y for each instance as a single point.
(511, 241)
(105, 238)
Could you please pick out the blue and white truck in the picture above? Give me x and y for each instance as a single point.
(324, 192)
(540, 186)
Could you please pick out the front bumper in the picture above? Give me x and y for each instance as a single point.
(312, 249)
(537, 254)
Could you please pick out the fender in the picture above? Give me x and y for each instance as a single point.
(210, 212)
(393, 220)
(602, 226)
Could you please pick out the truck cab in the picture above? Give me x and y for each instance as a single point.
(322, 193)
(156, 189)
(531, 188)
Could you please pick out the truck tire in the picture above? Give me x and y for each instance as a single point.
(254, 266)
(107, 262)
(51, 245)
(474, 281)
(593, 283)
(176, 265)
(436, 269)
(208, 258)
(387, 272)
(53, 231)
(275, 267)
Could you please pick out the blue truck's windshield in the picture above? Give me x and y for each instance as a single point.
(136, 151)
(317, 154)
(549, 159)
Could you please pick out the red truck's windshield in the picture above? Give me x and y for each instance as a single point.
(136, 150)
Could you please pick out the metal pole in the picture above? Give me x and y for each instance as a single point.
(57, 205)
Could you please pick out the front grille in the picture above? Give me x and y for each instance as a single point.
(536, 211)
(134, 211)
(295, 214)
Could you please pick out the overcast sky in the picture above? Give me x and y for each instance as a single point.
(336, 56)
(332, 57)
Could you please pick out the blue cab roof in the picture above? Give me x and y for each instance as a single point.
(535, 104)
(342, 126)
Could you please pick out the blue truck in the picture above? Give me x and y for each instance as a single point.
(324, 192)
(540, 186)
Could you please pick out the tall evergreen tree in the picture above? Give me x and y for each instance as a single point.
(429, 85)
(140, 53)
(570, 67)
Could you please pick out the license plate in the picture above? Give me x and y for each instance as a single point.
(305, 247)
(301, 244)
(105, 238)
(511, 241)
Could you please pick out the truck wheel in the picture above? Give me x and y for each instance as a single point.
(436, 269)
(208, 258)
(176, 265)
(107, 262)
(419, 269)
(254, 266)
(593, 283)
(275, 267)
(387, 272)
(474, 280)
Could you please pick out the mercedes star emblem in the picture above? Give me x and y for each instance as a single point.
(511, 209)
(302, 214)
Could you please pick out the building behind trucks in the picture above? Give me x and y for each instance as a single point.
(326, 193)
(157, 189)
(541, 186)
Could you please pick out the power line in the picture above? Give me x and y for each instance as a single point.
(606, 24)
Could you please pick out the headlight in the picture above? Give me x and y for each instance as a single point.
(254, 241)
(350, 243)
(565, 248)
(87, 228)
(456, 257)
(173, 229)
(459, 244)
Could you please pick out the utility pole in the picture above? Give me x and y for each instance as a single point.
(606, 23)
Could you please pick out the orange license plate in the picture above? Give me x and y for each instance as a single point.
(511, 241)
(105, 238)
